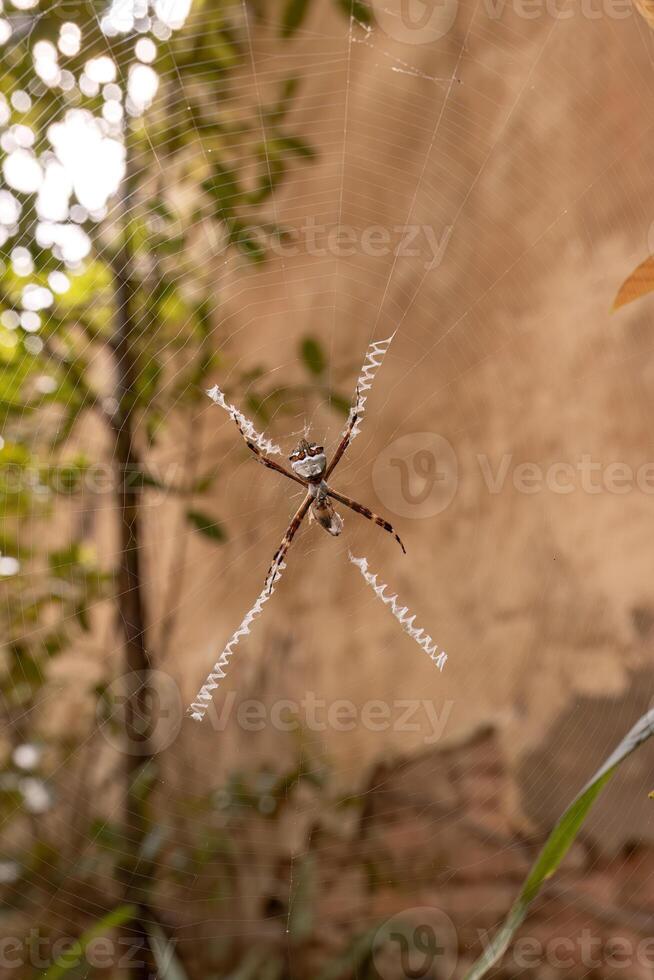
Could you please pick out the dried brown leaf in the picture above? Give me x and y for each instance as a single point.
(646, 9)
(641, 280)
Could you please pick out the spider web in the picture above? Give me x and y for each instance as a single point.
(448, 135)
(442, 339)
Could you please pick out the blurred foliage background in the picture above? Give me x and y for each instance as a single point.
(140, 156)
(105, 332)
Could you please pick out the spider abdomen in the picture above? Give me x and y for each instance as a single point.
(325, 515)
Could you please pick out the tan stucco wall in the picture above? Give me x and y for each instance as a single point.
(540, 158)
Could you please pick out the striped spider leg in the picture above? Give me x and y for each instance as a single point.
(270, 463)
(347, 437)
(366, 512)
(371, 364)
(373, 359)
(291, 531)
(261, 448)
(297, 518)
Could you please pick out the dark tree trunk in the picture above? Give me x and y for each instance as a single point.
(131, 605)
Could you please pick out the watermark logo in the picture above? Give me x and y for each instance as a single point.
(417, 475)
(416, 944)
(141, 712)
(415, 21)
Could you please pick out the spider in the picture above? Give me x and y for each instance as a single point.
(310, 469)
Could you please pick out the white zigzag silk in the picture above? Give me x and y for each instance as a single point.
(401, 614)
(265, 445)
(204, 696)
(372, 363)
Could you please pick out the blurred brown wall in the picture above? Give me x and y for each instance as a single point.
(538, 157)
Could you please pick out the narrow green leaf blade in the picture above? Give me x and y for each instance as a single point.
(557, 845)
(313, 355)
(206, 525)
(294, 14)
(71, 958)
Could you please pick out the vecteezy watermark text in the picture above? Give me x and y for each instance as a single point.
(40, 952)
(94, 477)
(587, 949)
(344, 241)
(425, 21)
(314, 714)
(419, 475)
(560, 9)
(564, 477)
(143, 713)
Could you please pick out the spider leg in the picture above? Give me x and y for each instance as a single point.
(371, 364)
(261, 447)
(291, 531)
(270, 463)
(366, 512)
(346, 438)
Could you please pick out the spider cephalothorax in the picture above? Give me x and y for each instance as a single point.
(309, 461)
(309, 468)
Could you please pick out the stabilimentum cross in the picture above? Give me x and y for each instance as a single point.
(309, 468)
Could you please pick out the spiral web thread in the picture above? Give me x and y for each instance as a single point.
(401, 614)
(371, 364)
(204, 696)
(246, 426)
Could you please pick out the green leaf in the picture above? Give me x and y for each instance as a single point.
(154, 423)
(168, 246)
(83, 618)
(313, 355)
(71, 958)
(204, 482)
(339, 403)
(160, 208)
(224, 186)
(206, 525)
(109, 836)
(557, 845)
(356, 9)
(54, 642)
(273, 170)
(289, 88)
(293, 144)
(294, 14)
(244, 237)
(356, 956)
(302, 901)
(204, 318)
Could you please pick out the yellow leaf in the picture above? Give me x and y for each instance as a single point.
(641, 280)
